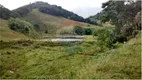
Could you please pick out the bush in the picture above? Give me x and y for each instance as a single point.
(95, 33)
(21, 26)
(108, 37)
(119, 38)
(46, 31)
(134, 33)
(88, 31)
(78, 30)
(105, 37)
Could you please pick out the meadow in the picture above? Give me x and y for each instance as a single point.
(24, 58)
(46, 41)
(29, 59)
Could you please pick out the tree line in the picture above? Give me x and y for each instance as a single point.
(125, 15)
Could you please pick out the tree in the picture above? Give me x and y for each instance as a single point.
(46, 31)
(88, 31)
(121, 15)
(20, 25)
(78, 30)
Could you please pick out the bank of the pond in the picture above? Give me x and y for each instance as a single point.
(69, 60)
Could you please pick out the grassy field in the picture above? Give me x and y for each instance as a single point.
(56, 60)
(25, 58)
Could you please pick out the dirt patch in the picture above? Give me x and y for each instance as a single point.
(71, 23)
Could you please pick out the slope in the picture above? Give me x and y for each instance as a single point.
(43, 22)
(120, 63)
(48, 9)
(7, 34)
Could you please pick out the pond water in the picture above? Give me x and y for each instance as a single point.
(63, 39)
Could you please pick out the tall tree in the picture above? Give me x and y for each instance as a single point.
(122, 14)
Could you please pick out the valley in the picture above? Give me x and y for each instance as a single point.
(44, 41)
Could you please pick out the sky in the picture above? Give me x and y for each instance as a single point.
(84, 8)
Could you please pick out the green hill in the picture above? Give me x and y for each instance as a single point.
(41, 21)
(52, 24)
(48, 9)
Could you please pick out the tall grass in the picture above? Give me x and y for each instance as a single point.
(52, 60)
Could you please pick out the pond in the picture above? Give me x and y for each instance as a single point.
(63, 39)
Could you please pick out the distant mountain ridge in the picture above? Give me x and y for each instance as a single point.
(43, 16)
(43, 7)
(48, 9)
(4, 12)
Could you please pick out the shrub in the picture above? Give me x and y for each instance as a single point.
(22, 26)
(78, 30)
(19, 25)
(105, 37)
(88, 31)
(108, 37)
(46, 31)
(95, 33)
(134, 33)
(119, 38)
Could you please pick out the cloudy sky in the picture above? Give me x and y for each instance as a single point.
(84, 8)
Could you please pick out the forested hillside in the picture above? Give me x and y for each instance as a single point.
(4, 12)
(118, 12)
(48, 9)
(125, 15)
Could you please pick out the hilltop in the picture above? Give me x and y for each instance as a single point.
(44, 17)
(48, 9)
(43, 21)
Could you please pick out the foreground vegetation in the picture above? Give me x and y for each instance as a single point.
(108, 51)
(33, 59)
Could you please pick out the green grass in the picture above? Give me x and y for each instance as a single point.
(66, 30)
(57, 60)
(29, 59)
